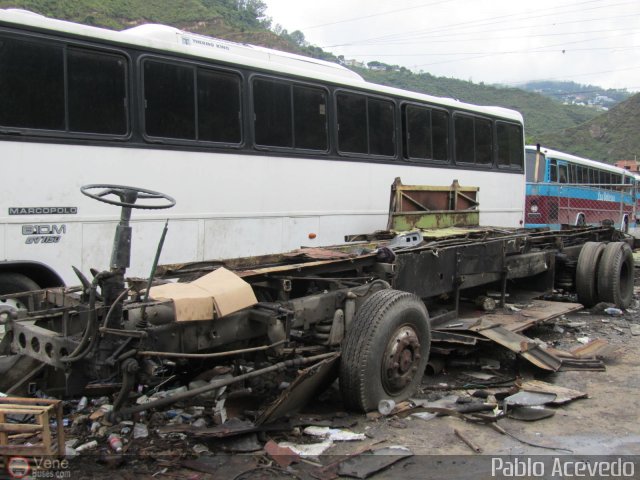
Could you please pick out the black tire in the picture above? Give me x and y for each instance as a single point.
(385, 350)
(587, 272)
(615, 275)
(16, 282)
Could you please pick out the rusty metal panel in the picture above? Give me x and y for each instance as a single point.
(423, 206)
(538, 311)
(301, 390)
(524, 346)
(436, 219)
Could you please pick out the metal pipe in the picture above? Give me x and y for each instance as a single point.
(209, 355)
(77, 353)
(163, 402)
(154, 267)
(129, 369)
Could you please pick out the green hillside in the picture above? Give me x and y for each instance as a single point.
(245, 21)
(608, 137)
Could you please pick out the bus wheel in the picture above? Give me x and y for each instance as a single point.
(16, 282)
(587, 271)
(615, 274)
(385, 350)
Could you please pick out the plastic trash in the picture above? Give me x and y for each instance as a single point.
(115, 442)
(82, 404)
(87, 446)
(613, 311)
(385, 407)
(140, 430)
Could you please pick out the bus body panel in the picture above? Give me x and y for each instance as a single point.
(228, 205)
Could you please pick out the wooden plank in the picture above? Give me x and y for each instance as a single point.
(4, 439)
(62, 450)
(46, 432)
(19, 428)
(25, 451)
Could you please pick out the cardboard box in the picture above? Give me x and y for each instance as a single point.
(216, 294)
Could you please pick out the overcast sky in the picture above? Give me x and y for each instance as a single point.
(593, 42)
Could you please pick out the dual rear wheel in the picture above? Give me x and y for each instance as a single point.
(605, 273)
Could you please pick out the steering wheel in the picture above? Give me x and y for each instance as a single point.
(128, 196)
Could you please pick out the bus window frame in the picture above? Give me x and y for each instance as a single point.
(336, 130)
(510, 167)
(64, 43)
(194, 65)
(291, 82)
(563, 167)
(404, 127)
(474, 164)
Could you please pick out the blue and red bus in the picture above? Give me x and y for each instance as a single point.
(564, 189)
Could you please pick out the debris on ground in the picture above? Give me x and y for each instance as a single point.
(469, 380)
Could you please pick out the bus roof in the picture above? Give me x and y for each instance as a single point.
(170, 39)
(578, 160)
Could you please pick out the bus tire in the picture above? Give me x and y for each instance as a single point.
(385, 350)
(587, 273)
(615, 275)
(11, 282)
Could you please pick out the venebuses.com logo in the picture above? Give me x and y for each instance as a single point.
(21, 467)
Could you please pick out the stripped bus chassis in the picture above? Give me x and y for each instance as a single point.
(68, 341)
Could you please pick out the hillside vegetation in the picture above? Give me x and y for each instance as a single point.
(608, 137)
(246, 21)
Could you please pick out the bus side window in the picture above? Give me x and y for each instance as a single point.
(170, 109)
(352, 123)
(553, 171)
(365, 125)
(464, 143)
(426, 133)
(31, 85)
(310, 118)
(381, 127)
(273, 116)
(219, 107)
(484, 141)
(440, 126)
(562, 173)
(97, 79)
(509, 139)
(418, 133)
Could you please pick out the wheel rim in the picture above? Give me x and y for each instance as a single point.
(401, 359)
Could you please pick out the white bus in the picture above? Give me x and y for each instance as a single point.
(264, 151)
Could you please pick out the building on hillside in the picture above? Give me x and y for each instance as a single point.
(631, 165)
(350, 62)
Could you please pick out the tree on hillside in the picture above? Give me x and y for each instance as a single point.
(253, 12)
